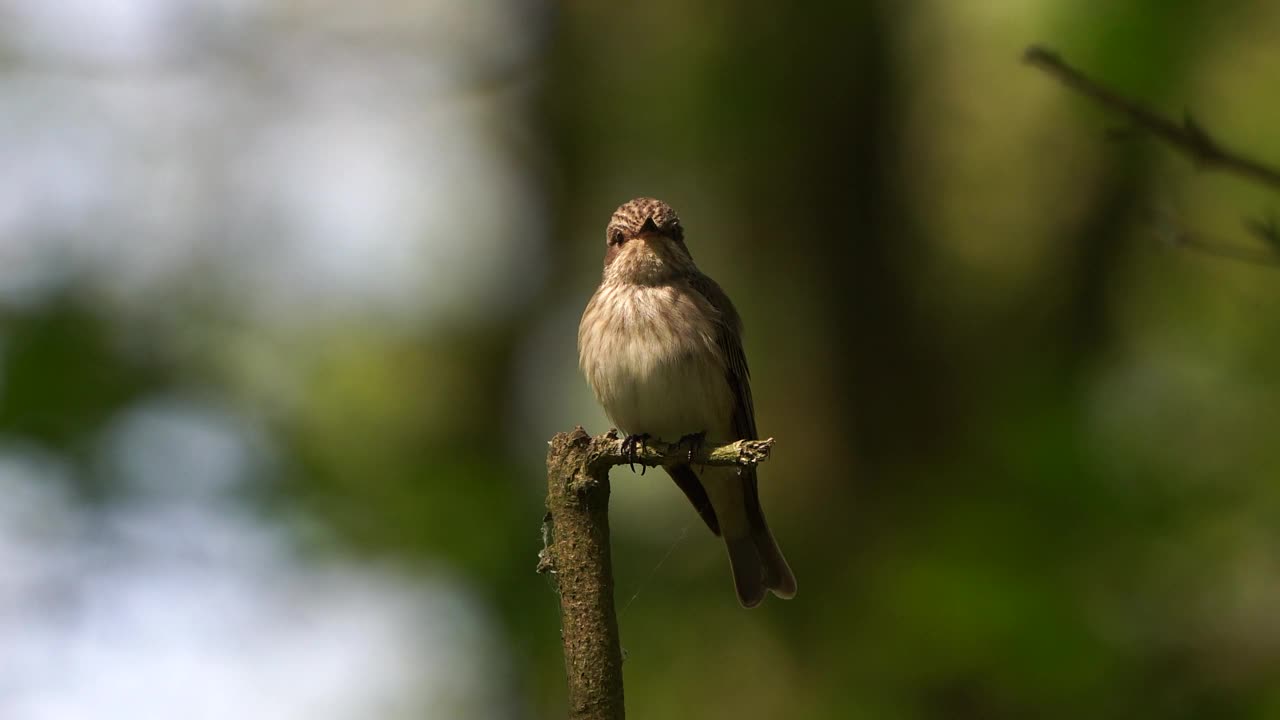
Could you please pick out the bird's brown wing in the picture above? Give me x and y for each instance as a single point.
(687, 480)
(743, 422)
(776, 573)
(729, 337)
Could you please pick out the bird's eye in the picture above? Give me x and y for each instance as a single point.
(615, 237)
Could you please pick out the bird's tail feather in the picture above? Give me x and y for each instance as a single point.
(757, 563)
(748, 572)
(777, 573)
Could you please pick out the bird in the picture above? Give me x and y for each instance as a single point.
(660, 344)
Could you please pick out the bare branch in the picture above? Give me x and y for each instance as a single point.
(1188, 136)
(576, 553)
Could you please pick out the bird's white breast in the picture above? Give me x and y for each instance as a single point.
(651, 356)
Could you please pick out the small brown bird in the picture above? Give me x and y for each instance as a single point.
(661, 346)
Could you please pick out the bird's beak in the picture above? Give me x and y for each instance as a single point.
(650, 233)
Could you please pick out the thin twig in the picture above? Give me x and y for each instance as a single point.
(1227, 251)
(1188, 136)
(607, 450)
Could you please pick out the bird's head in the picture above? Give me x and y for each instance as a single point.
(644, 243)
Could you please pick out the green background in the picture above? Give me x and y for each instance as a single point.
(1027, 461)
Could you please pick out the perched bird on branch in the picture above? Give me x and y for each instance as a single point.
(661, 346)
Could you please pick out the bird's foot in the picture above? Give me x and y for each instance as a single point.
(631, 445)
(694, 441)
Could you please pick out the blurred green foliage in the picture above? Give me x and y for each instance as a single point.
(1026, 464)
